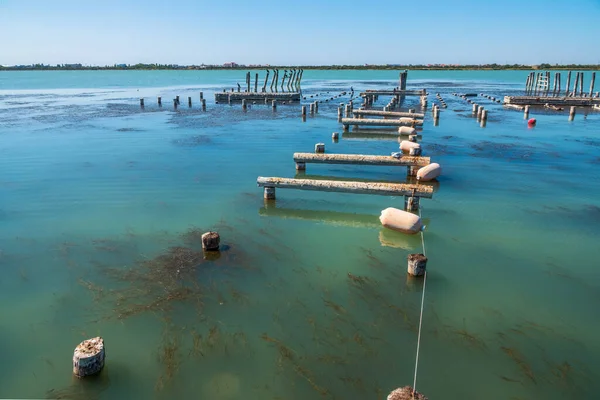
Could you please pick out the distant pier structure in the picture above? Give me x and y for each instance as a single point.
(286, 89)
(539, 91)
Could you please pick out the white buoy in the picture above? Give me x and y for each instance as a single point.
(406, 130)
(429, 172)
(401, 221)
(406, 145)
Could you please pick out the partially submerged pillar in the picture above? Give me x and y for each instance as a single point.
(269, 193)
(572, 113)
(256, 83)
(335, 135)
(568, 83)
(406, 393)
(593, 81)
(142, 103)
(189, 101)
(88, 357)
(211, 241)
(274, 105)
(417, 264)
(244, 106)
(300, 166)
(159, 101)
(201, 96)
(203, 104)
(411, 203)
(526, 112)
(320, 148)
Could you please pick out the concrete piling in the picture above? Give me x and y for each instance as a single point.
(256, 83)
(526, 113)
(189, 101)
(88, 357)
(411, 203)
(159, 101)
(335, 136)
(417, 264)
(211, 241)
(142, 103)
(312, 108)
(593, 81)
(316, 106)
(574, 93)
(177, 98)
(581, 84)
(274, 105)
(269, 193)
(203, 104)
(201, 95)
(320, 148)
(572, 113)
(568, 84)
(175, 104)
(244, 106)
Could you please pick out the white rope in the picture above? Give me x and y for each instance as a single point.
(421, 316)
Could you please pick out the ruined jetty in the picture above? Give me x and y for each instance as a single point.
(285, 90)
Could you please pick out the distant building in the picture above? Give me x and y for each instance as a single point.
(230, 65)
(74, 66)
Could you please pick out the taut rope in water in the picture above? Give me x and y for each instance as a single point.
(421, 316)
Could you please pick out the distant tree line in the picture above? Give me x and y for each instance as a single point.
(141, 66)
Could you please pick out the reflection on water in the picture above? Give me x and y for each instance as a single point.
(102, 206)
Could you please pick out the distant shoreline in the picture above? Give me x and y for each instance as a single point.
(156, 67)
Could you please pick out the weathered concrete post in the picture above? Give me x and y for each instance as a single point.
(572, 113)
(244, 106)
(269, 193)
(256, 83)
(264, 88)
(474, 109)
(142, 103)
(312, 108)
(203, 104)
(320, 148)
(201, 95)
(414, 151)
(300, 166)
(526, 113)
(159, 101)
(340, 114)
(581, 84)
(211, 241)
(592, 84)
(229, 99)
(304, 111)
(568, 84)
(335, 136)
(558, 85)
(479, 111)
(411, 203)
(483, 118)
(175, 104)
(248, 81)
(316, 106)
(88, 357)
(189, 101)
(274, 105)
(417, 264)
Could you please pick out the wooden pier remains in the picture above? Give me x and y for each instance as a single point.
(283, 91)
(393, 92)
(378, 188)
(539, 91)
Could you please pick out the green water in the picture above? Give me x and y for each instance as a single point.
(93, 189)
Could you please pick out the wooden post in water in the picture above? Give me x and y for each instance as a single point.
(572, 113)
(592, 84)
(537, 78)
(159, 101)
(229, 99)
(558, 87)
(175, 104)
(274, 105)
(203, 104)
(304, 111)
(554, 83)
(283, 80)
(576, 85)
(142, 103)
(568, 84)
(526, 113)
(244, 106)
(581, 84)
(256, 82)
(483, 118)
(474, 108)
(316, 106)
(177, 98)
(312, 108)
(264, 88)
(274, 79)
(201, 96)
(248, 81)
(189, 101)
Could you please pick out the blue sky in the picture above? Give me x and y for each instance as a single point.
(313, 32)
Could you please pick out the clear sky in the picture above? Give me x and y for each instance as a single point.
(308, 32)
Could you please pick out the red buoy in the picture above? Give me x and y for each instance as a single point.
(531, 122)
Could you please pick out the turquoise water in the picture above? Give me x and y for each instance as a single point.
(93, 189)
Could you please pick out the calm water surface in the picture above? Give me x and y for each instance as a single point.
(102, 204)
